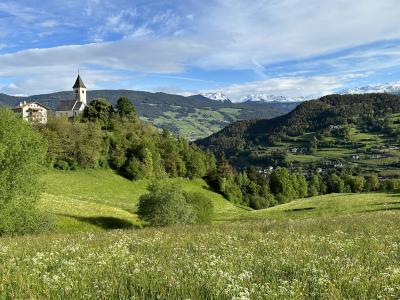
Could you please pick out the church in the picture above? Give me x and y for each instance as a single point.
(73, 108)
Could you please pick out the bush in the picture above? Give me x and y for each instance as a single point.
(22, 155)
(202, 206)
(165, 205)
(392, 185)
(61, 165)
(260, 202)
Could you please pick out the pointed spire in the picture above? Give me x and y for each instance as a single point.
(79, 83)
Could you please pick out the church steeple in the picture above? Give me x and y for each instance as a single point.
(79, 90)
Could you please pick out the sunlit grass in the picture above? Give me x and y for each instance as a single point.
(94, 200)
(342, 257)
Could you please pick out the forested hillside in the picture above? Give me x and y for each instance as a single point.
(191, 117)
(352, 130)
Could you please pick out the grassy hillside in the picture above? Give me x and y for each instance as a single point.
(331, 205)
(352, 131)
(94, 200)
(191, 117)
(339, 256)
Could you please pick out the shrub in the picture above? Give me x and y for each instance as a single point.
(202, 206)
(22, 155)
(165, 205)
(261, 202)
(392, 185)
(61, 165)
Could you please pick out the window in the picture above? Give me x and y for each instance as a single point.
(76, 91)
(83, 91)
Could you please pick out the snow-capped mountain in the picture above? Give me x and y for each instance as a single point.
(217, 96)
(390, 88)
(271, 98)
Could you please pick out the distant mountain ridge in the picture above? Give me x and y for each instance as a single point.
(260, 97)
(217, 96)
(192, 117)
(268, 98)
(390, 88)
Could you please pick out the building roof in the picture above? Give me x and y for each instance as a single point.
(79, 83)
(23, 104)
(65, 105)
(78, 105)
(69, 105)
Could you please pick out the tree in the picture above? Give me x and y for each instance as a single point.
(165, 205)
(316, 186)
(357, 184)
(125, 108)
(202, 206)
(99, 110)
(281, 185)
(22, 154)
(335, 184)
(372, 183)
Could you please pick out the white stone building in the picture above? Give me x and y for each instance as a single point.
(32, 112)
(73, 108)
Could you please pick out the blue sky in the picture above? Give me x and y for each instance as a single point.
(283, 47)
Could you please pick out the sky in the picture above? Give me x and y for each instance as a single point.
(294, 48)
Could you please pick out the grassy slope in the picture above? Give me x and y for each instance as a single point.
(330, 205)
(339, 246)
(337, 257)
(93, 200)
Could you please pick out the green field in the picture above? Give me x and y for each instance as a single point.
(93, 200)
(338, 246)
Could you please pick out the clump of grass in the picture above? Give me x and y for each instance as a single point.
(351, 257)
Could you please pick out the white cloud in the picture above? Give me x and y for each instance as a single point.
(161, 56)
(214, 35)
(49, 24)
(271, 31)
(297, 86)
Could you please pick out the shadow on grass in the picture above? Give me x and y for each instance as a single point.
(383, 209)
(388, 203)
(299, 209)
(106, 223)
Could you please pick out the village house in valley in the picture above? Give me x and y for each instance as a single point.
(33, 112)
(75, 107)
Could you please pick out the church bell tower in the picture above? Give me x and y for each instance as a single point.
(79, 90)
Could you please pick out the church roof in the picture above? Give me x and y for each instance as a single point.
(69, 105)
(78, 106)
(79, 83)
(65, 105)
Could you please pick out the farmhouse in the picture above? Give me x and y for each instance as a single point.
(75, 107)
(33, 112)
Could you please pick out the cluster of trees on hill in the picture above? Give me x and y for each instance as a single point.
(114, 137)
(257, 190)
(367, 110)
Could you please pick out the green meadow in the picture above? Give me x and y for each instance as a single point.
(338, 246)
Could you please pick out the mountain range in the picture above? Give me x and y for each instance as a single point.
(260, 97)
(192, 117)
(390, 88)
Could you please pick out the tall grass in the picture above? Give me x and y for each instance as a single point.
(352, 257)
